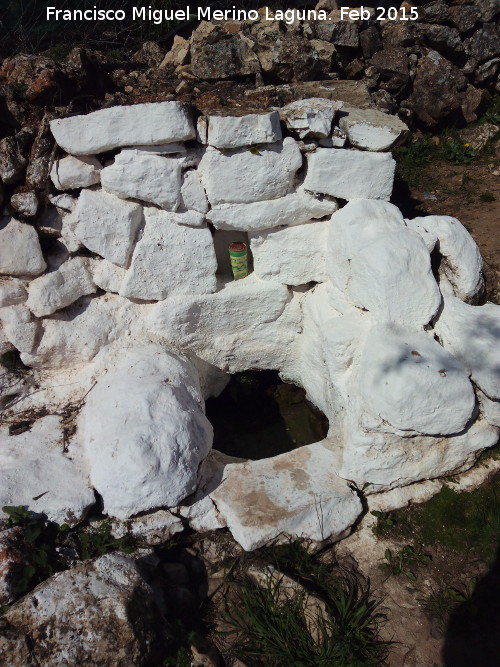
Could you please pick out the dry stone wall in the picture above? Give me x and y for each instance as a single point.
(130, 316)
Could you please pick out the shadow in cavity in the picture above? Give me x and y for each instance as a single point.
(258, 416)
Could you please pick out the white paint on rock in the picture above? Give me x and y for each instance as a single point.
(350, 174)
(237, 131)
(12, 292)
(73, 172)
(193, 195)
(312, 117)
(108, 276)
(241, 176)
(99, 131)
(20, 252)
(373, 130)
(19, 327)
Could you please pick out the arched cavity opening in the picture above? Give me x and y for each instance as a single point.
(258, 416)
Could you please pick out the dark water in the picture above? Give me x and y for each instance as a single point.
(258, 416)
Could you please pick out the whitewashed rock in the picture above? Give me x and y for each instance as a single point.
(25, 203)
(20, 252)
(202, 130)
(100, 612)
(37, 474)
(461, 266)
(151, 529)
(75, 172)
(107, 225)
(192, 192)
(292, 256)
(373, 130)
(312, 117)
(408, 380)
(236, 131)
(12, 292)
(108, 276)
(64, 203)
(490, 409)
(242, 176)
(161, 149)
(350, 174)
(170, 259)
(60, 288)
(336, 140)
(297, 493)
(151, 178)
(293, 209)
(19, 327)
(472, 334)
(69, 231)
(146, 453)
(99, 131)
(429, 238)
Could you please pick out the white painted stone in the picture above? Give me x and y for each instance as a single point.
(293, 255)
(75, 172)
(472, 334)
(490, 408)
(373, 130)
(108, 276)
(297, 493)
(107, 225)
(202, 130)
(99, 131)
(12, 292)
(146, 453)
(236, 131)
(408, 380)
(161, 149)
(293, 209)
(20, 252)
(461, 266)
(69, 231)
(64, 203)
(336, 140)
(350, 174)
(312, 117)
(242, 176)
(37, 474)
(151, 178)
(170, 259)
(429, 238)
(151, 529)
(192, 193)
(60, 288)
(19, 327)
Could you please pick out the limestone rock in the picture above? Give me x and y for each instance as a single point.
(192, 193)
(241, 176)
(411, 382)
(146, 453)
(75, 172)
(107, 225)
(350, 174)
(159, 267)
(472, 334)
(461, 264)
(292, 256)
(151, 178)
(12, 160)
(99, 131)
(12, 292)
(20, 252)
(222, 55)
(108, 276)
(178, 54)
(373, 130)
(60, 288)
(292, 209)
(100, 612)
(297, 493)
(237, 131)
(37, 474)
(19, 327)
(312, 117)
(25, 203)
(151, 529)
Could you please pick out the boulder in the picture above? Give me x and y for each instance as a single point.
(151, 178)
(108, 276)
(178, 54)
(293, 209)
(472, 334)
(220, 55)
(312, 117)
(38, 475)
(100, 612)
(242, 176)
(393, 67)
(58, 289)
(146, 453)
(193, 195)
(292, 256)
(99, 131)
(19, 327)
(13, 151)
(247, 130)
(170, 259)
(350, 174)
(461, 266)
(285, 56)
(20, 252)
(75, 172)
(297, 493)
(373, 130)
(442, 38)
(25, 203)
(107, 225)
(408, 380)
(12, 292)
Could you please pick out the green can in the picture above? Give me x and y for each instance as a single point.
(238, 254)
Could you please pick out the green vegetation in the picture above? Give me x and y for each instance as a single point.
(404, 561)
(279, 624)
(487, 196)
(442, 603)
